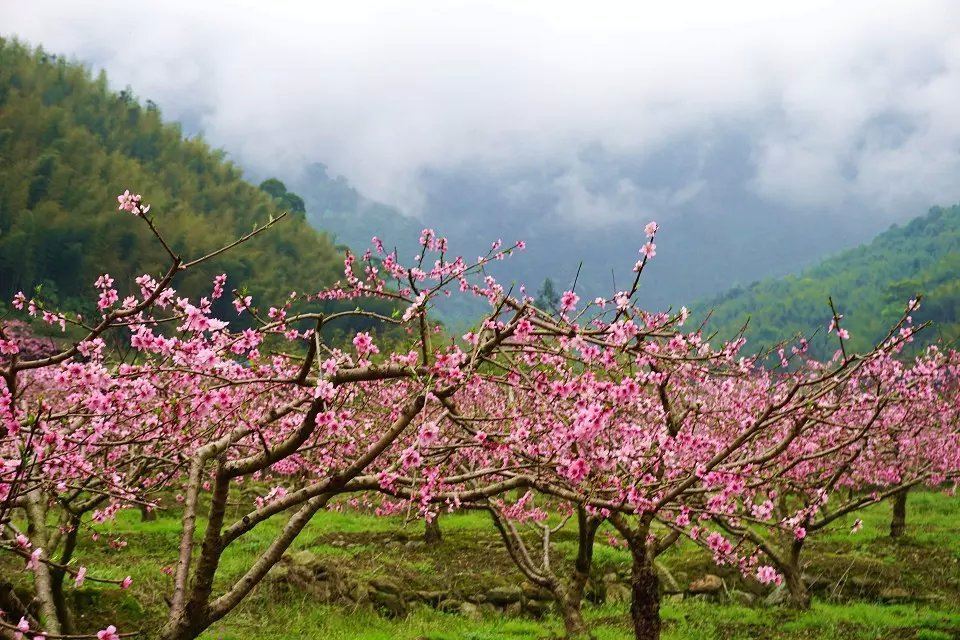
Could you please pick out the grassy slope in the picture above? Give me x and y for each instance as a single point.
(926, 564)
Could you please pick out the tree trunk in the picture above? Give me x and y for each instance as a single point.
(570, 601)
(431, 531)
(64, 613)
(42, 580)
(574, 626)
(797, 588)
(58, 575)
(898, 523)
(182, 629)
(793, 575)
(147, 515)
(645, 596)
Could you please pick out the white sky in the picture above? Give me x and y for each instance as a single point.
(849, 101)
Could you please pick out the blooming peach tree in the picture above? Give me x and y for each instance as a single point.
(615, 412)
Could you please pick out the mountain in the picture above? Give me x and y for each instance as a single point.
(710, 240)
(68, 144)
(870, 285)
(334, 205)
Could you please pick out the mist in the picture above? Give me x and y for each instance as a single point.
(760, 136)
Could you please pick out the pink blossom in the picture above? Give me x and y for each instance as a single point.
(568, 301)
(410, 458)
(651, 229)
(364, 344)
(768, 575)
(240, 304)
(429, 434)
(9, 347)
(81, 574)
(218, 282)
(110, 633)
(325, 390)
(131, 203)
(276, 493)
(22, 627)
(577, 470)
(33, 563)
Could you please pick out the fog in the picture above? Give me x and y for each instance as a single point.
(785, 130)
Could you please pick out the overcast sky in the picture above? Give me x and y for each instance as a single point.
(841, 104)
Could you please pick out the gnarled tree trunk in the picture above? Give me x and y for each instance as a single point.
(793, 576)
(574, 626)
(644, 581)
(645, 592)
(567, 593)
(572, 601)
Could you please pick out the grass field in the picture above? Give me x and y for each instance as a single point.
(923, 569)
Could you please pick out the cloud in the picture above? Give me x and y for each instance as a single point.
(842, 104)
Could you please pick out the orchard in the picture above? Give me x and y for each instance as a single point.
(597, 414)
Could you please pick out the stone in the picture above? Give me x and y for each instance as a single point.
(432, 597)
(451, 605)
(709, 583)
(534, 592)
(894, 595)
(596, 592)
(303, 558)
(504, 595)
(384, 585)
(934, 598)
(488, 610)
(537, 608)
(389, 603)
(618, 593)
(470, 611)
(513, 609)
(777, 597)
(817, 583)
(359, 593)
(741, 597)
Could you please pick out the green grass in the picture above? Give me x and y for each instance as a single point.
(925, 564)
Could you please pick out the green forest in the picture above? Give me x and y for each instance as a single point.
(67, 141)
(870, 285)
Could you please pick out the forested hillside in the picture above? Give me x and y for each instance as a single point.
(870, 286)
(67, 142)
